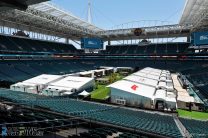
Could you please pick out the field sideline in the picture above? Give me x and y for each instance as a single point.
(101, 92)
(193, 114)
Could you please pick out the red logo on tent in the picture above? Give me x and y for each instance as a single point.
(134, 87)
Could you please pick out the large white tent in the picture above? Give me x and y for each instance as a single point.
(149, 88)
(69, 84)
(132, 93)
(36, 84)
(142, 80)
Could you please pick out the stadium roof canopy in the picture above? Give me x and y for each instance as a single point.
(46, 18)
(55, 11)
(196, 14)
(165, 31)
(18, 4)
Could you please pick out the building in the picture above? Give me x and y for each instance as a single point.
(131, 93)
(93, 73)
(69, 85)
(164, 100)
(35, 85)
(145, 89)
(147, 75)
(108, 70)
(142, 80)
(89, 74)
(154, 77)
(166, 86)
(124, 70)
(99, 72)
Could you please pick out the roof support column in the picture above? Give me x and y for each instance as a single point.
(109, 42)
(67, 40)
(188, 39)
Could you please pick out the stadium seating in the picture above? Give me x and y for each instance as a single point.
(156, 123)
(27, 69)
(17, 44)
(11, 72)
(108, 132)
(15, 71)
(198, 129)
(23, 117)
(3, 77)
(148, 122)
(150, 49)
(204, 90)
(19, 70)
(73, 107)
(198, 76)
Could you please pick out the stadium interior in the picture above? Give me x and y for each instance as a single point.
(143, 88)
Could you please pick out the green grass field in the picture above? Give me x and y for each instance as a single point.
(101, 92)
(119, 77)
(193, 114)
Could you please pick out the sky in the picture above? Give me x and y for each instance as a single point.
(111, 14)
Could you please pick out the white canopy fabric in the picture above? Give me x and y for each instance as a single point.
(84, 93)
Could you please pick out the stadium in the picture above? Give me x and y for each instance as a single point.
(62, 76)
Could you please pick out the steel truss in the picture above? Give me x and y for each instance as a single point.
(47, 19)
(166, 31)
(195, 14)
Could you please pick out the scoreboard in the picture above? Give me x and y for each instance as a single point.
(199, 38)
(91, 43)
